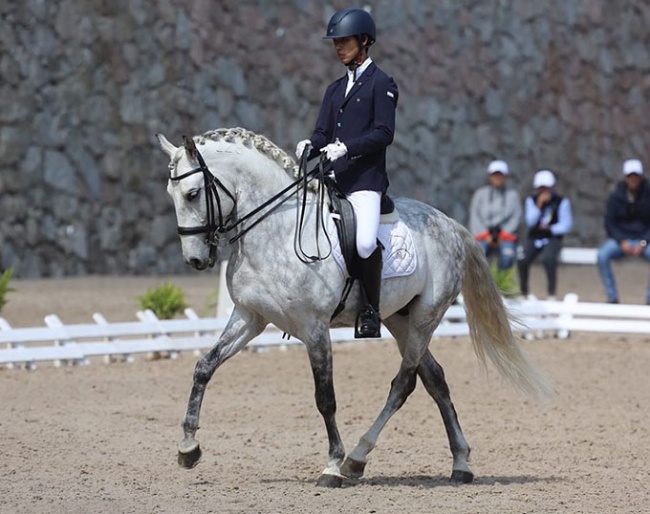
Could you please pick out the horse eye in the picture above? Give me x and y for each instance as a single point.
(192, 195)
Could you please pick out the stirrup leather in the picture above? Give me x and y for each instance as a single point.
(368, 323)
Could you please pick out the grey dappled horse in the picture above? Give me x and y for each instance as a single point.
(217, 190)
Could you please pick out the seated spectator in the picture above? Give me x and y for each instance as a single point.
(627, 223)
(494, 216)
(548, 218)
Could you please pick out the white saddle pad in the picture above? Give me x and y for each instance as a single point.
(399, 257)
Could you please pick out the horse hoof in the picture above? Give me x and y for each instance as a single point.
(353, 468)
(189, 457)
(461, 477)
(330, 481)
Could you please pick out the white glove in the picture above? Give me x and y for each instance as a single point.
(300, 147)
(334, 151)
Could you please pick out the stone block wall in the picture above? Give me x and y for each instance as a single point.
(85, 85)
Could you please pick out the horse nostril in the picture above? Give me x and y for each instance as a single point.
(198, 264)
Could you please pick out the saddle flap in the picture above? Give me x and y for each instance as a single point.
(346, 227)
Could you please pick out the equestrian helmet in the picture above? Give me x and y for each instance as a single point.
(351, 22)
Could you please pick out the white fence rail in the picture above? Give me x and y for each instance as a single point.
(75, 344)
(571, 255)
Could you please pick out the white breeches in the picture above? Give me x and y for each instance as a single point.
(367, 209)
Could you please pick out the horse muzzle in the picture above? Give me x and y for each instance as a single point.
(202, 264)
(197, 264)
(200, 254)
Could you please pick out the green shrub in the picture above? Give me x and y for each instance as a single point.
(4, 286)
(166, 301)
(506, 281)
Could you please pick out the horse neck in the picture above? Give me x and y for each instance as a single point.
(253, 177)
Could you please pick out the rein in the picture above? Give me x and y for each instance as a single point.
(216, 224)
(323, 173)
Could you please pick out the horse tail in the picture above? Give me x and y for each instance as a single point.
(489, 325)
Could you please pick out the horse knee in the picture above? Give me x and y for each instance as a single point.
(203, 371)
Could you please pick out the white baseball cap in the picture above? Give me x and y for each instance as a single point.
(632, 166)
(544, 178)
(498, 167)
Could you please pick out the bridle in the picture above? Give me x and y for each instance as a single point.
(216, 224)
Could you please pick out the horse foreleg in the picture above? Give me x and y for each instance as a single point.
(236, 335)
(320, 358)
(401, 387)
(433, 378)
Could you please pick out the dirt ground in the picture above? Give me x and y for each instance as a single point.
(102, 438)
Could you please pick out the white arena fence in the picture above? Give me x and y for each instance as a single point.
(75, 344)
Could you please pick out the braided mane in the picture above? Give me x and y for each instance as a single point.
(259, 142)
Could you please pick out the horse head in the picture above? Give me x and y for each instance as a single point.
(202, 202)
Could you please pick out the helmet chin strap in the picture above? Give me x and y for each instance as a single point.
(354, 64)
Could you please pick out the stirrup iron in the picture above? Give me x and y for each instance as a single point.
(368, 323)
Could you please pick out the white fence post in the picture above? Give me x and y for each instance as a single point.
(150, 316)
(569, 299)
(53, 321)
(191, 314)
(111, 358)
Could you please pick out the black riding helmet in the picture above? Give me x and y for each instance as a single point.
(351, 22)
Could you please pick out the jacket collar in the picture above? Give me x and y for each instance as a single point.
(360, 82)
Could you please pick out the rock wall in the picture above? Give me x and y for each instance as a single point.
(85, 85)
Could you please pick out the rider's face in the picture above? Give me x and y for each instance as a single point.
(346, 48)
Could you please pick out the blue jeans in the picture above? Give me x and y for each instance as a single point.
(611, 250)
(505, 253)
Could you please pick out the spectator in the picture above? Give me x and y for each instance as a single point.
(494, 216)
(548, 218)
(627, 223)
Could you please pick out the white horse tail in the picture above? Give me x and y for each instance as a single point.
(489, 325)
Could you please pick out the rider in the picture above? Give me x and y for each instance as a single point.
(355, 125)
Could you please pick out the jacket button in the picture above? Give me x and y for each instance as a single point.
(338, 124)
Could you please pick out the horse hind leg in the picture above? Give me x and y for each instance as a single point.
(433, 378)
(401, 387)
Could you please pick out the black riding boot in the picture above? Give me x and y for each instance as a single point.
(368, 321)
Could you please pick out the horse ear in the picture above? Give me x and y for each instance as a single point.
(166, 146)
(190, 147)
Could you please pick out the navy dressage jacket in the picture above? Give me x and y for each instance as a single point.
(364, 121)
